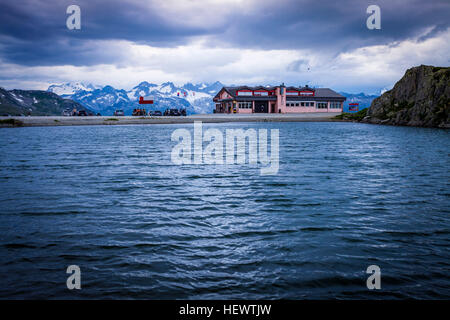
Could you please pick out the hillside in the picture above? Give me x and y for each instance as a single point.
(420, 98)
(35, 103)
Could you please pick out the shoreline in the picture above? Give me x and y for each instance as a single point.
(44, 121)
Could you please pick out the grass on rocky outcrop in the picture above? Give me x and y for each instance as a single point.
(358, 116)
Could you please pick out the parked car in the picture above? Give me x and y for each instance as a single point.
(82, 113)
(99, 114)
(119, 113)
(67, 113)
(172, 112)
(155, 113)
(139, 112)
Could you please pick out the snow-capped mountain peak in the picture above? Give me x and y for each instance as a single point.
(142, 89)
(70, 88)
(167, 87)
(383, 90)
(146, 84)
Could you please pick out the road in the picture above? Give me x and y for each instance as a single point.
(207, 118)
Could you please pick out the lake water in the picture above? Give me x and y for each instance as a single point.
(109, 199)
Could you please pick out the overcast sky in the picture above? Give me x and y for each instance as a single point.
(121, 43)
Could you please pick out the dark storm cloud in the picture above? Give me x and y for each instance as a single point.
(337, 25)
(33, 32)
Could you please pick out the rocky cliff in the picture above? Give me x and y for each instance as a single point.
(420, 98)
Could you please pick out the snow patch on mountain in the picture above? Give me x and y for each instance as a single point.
(70, 88)
(16, 97)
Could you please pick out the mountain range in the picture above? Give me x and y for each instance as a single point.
(195, 98)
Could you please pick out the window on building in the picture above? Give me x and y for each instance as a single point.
(244, 93)
(335, 105)
(322, 105)
(245, 105)
(292, 93)
(261, 93)
(296, 104)
(302, 104)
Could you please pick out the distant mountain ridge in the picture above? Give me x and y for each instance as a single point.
(195, 98)
(35, 103)
(363, 99)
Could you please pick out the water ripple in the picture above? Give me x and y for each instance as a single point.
(109, 200)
